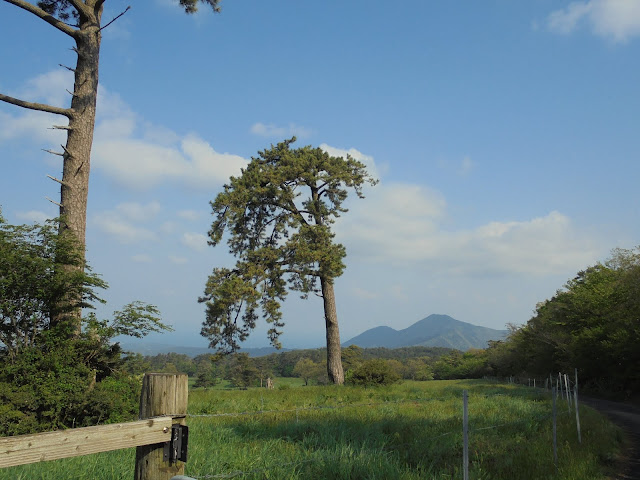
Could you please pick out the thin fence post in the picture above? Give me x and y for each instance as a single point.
(567, 390)
(555, 439)
(162, 394)
(465, 434)
(575, 398)
(559, 384)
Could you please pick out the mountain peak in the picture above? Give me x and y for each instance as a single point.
(436, 330)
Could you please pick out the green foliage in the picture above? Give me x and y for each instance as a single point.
(114, 399)
(136, 319)
(37, 287)
(470, 364)
(208, 374)
(372, 373)
(351, 357)
(174, 362)
(136, 364)
(241, 373)
(61, 9)
(281, 238)
(191, 6)
(418, 369)
(52, 374)
(307, 369)
(592, 325)
(59, 382)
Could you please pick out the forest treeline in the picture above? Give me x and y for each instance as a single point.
(417, 363)
(592, 324)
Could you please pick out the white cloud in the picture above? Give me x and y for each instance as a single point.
(399, 293)
(466, 166)
(35, 216)
(35, 125)
(134, 153)
(615, 19)
(364, 294)
(270, 130)
(156, 155)
(190, 215)
(177, 260)
(357, 155)
(404, 225)
(50, 87)
(141, 258)
(124, 222)
(138, 212)
(168, 227)
(195, 241)
(565, 21)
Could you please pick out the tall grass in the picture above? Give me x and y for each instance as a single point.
(407, 431)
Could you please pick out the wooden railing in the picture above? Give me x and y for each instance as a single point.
(163, 403)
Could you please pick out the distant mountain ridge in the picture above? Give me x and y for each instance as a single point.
(432, 331)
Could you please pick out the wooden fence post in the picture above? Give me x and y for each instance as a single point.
(162, 394)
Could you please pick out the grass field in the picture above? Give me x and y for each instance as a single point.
(407, 431)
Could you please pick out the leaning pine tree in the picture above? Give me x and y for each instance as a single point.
(278, 215)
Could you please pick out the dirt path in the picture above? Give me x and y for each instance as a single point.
(627, 417)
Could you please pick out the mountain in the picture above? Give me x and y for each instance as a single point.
(432, 331)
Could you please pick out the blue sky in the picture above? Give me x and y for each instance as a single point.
(505, 136)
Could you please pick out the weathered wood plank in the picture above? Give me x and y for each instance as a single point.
(162, 394)
(74, 442)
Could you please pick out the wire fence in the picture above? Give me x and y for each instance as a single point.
(462, 432)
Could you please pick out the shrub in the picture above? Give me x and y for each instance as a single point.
(374, 372)
(51, 386)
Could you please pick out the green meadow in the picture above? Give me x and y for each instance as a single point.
(411, 430)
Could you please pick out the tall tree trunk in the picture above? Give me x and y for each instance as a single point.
(74, 188)
(77, 156)
(334, 360)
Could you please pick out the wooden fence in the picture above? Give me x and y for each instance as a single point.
(163, 408)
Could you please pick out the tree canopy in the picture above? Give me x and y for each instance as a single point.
(278, 216)
(36, 292)
(592, 324)
(51, 375)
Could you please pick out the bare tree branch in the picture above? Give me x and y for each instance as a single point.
(54, 202)
(56, 180)
(115, 18)
(53, 153)
(50, 19)
(67, 112)
(66, 151)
